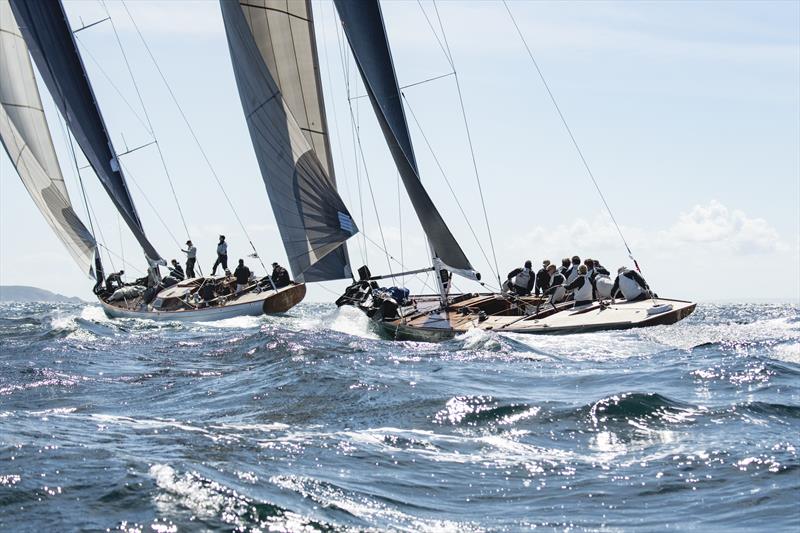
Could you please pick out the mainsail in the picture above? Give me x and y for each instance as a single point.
(274, 58)
(363, 24)
(46, 31)
(26, 138)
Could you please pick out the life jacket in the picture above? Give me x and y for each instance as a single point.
(584, 292)
(603, 286)
(522, 280)
(557, 287)
(630, 287)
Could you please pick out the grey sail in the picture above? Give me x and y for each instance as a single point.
(46, 31)
(274, 60)
(363, 24)
(26, 139)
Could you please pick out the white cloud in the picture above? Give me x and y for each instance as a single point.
(710, 226)
(726, 229)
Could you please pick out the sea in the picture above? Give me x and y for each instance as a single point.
(313, 421)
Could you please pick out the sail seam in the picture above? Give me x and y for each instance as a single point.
(274, 10)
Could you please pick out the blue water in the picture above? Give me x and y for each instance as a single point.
(312, 421)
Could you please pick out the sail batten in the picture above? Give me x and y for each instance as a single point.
(46, 31)
(26, 139)
(274, 57)
(363, 25)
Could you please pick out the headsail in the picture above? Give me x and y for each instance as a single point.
(363, 24)
(26, 138)
(46, 30)
(274, 58)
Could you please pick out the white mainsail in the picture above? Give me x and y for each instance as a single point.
(26, 138)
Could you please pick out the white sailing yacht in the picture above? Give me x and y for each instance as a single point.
(294, 156)
(443, 315)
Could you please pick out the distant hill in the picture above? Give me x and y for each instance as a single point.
(21, 293)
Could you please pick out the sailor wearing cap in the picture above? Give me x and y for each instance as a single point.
(191, 258)
(280, 276)
(222, 255)
(543, 278)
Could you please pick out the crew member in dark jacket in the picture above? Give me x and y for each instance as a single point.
(176, 271)
(280, 276)
(114, 281)
(524, 279)
(564, 268)
(542, 278)
(242, 275)
(556, 291)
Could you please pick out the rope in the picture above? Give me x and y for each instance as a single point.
(147, 117)
(571, 136)
(194, 136)
(449, 55)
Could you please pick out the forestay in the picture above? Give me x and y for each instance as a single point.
(46, 31)
(26, 138)
(363, 24)
(274, 58)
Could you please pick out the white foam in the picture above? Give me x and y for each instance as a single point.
(479, 339)
(351, 321)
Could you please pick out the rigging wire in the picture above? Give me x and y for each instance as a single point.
(110, 81)
(569, 132)
(344, 60)
(369, 183)
(335, 110)
(147, 199)
(147, 117)
(194, 136)
(400, 218)
(449, 55)
(449, 185)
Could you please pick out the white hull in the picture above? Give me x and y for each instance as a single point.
(429, 323)
(268, 302)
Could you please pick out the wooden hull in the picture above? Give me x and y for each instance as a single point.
(434, 325)
(252, 304)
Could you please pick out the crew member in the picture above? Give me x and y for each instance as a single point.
(222, 256)
(242, 275)
(601, 278)
(542, 278)
(582, 287)
(191, 258)
(631, 284)
(280, 276)
(114, 281)
(564, 268)
(176, 271)
(572, 273)
(523, 279)
(556, 290)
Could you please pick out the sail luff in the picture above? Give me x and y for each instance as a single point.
(363, 25)
(26, 138)
(46, 31)
(273, 53)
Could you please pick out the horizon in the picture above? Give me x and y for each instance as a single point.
(690, 121)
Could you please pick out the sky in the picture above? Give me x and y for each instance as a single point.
(687, 113)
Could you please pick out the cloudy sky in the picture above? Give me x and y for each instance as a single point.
(688, 114)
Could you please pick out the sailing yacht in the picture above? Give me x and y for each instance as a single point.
(294, 156)
(444, 315)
